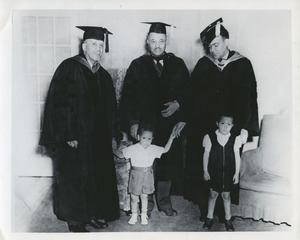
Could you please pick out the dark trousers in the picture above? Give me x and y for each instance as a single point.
(163, 199)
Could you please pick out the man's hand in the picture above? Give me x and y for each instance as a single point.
(73, 144)
(133, 131)
(178, 128)
(206, 176)
(235, 178)
(244, 135)
(171, 108)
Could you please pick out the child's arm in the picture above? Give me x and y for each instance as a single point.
(207, 146)
(237, 167)
(169, 143)
(206, 175)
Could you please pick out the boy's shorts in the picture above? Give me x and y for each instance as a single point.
(141, 180)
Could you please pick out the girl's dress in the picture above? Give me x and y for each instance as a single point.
(221, 165)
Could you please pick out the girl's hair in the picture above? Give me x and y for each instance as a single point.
(145, 127)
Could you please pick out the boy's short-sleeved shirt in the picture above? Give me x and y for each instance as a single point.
(222, 140)
(141, 157)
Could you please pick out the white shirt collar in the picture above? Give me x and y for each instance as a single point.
(161, 61)
(222, 135)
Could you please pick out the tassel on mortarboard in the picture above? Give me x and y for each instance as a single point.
(106, 42)
(218, 29)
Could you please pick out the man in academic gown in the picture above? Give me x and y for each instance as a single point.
(79, 125)
(222, 80)
(153, 93)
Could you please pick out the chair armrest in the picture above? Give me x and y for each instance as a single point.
(251, 162)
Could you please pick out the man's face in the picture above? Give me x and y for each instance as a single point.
(157, 43)
(93, 49)
(218, 47)
(225, 124)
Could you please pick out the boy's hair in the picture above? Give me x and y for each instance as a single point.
(225, 114)
(145, 127)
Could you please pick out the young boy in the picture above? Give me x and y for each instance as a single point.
(141, 181)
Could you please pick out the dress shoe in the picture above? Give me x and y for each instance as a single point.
(208, 223)
(202, 219)
(222, 219)
(169, 212)
(77, 227)
(229, 226)
(102, 222)
(97, 224)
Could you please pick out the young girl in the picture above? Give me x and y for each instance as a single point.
(141, 181)
(221, 166)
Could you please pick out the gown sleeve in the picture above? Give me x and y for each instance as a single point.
(129, 99)
(249, 111)
(60, 113)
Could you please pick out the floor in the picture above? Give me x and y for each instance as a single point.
(42, 219)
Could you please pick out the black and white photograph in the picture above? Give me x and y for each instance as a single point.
(123, 121)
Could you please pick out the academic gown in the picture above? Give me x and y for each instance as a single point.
(213, 89)
(81, 105)
(143, 97)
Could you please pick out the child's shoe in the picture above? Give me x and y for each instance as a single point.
(228, 225)
(208, 223)
(133, 219)
(144, 220)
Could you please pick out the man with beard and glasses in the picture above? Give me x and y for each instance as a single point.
(153, 93)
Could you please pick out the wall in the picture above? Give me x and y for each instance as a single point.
(42, 39)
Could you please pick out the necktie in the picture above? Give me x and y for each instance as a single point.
(158, 67)
(95, 67)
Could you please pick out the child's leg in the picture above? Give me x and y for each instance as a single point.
(227, 204)
(144, 198)
(211, 203)
(134, 203)
(134, 207)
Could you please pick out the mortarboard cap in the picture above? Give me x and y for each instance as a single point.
(158, 27)
(212, 31)
(95, 33)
